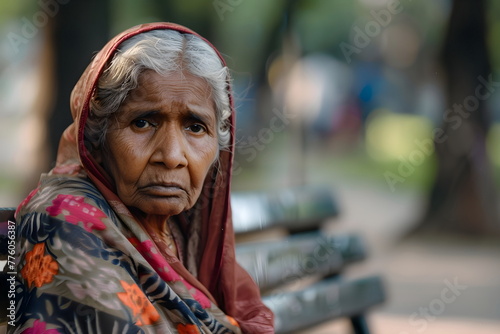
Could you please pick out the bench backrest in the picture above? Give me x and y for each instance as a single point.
(299, 273)
(296, 209)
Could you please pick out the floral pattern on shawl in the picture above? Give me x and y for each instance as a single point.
(75, 211)
(187, 329)
(39, 269)
(150, 252)
(39, 327)
(141, 307)
(74, 277)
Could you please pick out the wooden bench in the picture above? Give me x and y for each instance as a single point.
(299, 268)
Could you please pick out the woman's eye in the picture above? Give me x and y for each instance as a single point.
(196, 128)
(141, 123)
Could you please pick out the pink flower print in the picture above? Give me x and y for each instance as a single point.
(150, 253)
(166, 272)
(39, 328)
(198, 295)
(75, 210)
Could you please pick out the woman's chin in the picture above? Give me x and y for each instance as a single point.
(162, 207)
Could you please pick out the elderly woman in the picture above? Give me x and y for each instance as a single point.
(131, 231)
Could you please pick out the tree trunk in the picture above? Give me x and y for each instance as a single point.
(80, 29)
(463, 195)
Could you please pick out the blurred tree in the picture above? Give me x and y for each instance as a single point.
(79, 28)
(463, 195)
(192, 14)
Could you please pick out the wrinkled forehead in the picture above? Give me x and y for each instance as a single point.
(172, 92)
(150, 81)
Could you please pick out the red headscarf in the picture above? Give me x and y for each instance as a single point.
(219, 276)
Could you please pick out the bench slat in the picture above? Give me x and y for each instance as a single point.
(328, 299)
(276, 263)
(295, 209)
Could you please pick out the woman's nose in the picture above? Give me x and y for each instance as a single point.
(170, 148)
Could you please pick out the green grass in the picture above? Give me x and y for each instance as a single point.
(279, 163)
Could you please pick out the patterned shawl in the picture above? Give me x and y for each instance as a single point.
(87, 265)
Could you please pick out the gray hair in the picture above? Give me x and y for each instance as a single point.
(164, 51)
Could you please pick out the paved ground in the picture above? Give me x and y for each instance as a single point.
(419, 271)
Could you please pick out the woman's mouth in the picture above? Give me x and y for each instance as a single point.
(164, 189)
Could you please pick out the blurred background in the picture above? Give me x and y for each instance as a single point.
(394, 104)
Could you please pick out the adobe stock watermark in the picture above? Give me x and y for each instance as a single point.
(455, 117)
(223, 6)
(31, 27)
(11, 273)
(363, 37)
(249, 147)
(420, 319)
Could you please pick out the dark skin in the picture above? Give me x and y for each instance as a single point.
(162, 144)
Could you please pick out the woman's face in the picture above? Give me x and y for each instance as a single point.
(162, 143)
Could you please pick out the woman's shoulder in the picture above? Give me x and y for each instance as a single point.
(68, 194)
